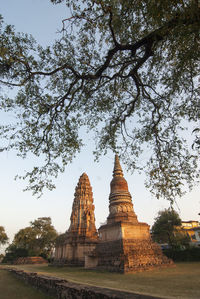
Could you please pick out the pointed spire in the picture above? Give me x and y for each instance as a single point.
(121, 206)
(83, 190)
(82, 216)
(84, 175)
(117, 171)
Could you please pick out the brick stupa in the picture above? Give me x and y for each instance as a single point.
(81, 236)
(125, 244)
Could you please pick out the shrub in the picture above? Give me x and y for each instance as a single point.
(187, 255)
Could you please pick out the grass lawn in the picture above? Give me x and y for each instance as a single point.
(13, 288)
(183, 281)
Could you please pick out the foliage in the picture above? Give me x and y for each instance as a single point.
(60, 239)
(38, 239)
(127, 70)
(188, 255)
(197, 139)
(167, 229)
(13, 252)
(3, 236)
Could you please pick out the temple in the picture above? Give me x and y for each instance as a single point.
(125, 244)
(81, 236)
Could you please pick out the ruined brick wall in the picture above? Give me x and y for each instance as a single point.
(111, 255)
(143, 255)
(30, 260)
(131, 256)
(60, 288)
(75, 255)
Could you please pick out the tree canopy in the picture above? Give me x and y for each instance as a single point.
(126, 70)
(167, 229)
(3, 236)
(38, 239)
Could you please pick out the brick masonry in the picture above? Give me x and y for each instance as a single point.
(60, 288)
(125, 244)
(30, 260)
(82, 235)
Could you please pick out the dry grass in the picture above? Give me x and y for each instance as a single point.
(13, 288)
(183, 281)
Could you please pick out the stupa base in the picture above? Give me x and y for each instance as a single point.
(126, 256)
(127, 247)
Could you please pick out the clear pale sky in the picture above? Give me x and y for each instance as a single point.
(18, 208)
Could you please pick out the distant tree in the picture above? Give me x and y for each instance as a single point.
(3, 236)
(167, 229)
(45, 235)
(26, 238)
(13, 252)
(38, 239)
(1, 257)
(127, 70)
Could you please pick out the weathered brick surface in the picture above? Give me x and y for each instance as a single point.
(131, 256)
(30, 260)
(62, 289)
(81, 236)
(125, 244)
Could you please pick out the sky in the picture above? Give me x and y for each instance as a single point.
(18, 208)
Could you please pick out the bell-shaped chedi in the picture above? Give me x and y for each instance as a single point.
(125, 244)
(81, 236)
(121, 206)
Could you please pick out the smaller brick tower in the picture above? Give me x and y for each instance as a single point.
(125, 244)
(81, 236)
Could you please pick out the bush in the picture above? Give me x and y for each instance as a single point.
(13, 254)
(188, 255)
